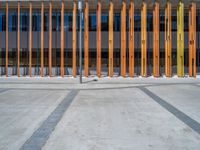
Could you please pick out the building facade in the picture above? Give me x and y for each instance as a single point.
(120, 37)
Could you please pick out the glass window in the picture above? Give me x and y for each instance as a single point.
(198, 20)
(68, 21)
(104, 22)
(24, 20)
(137, 21)
(162, 20)
(65, 21)
(56, 21)
(117, 21)
(127, 21)
(12, 20)
(149, 21)
(186, 21)
(2, 21)
(46, 21)
(92, 22)
(2, 58)
(36, 20)
(174, 19)
(78, 20)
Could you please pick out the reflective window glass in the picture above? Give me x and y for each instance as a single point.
(117, 21)
(174, 19)
(104, 22)
(149, 21)
(12, 20)
(56, 21)
(2, 21)
(92, 22)
(162, 20)
(36, 20)
(46, 21)
(198, 20)
(137, 21)
(24, 20)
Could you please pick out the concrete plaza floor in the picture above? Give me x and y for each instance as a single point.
(103, 114)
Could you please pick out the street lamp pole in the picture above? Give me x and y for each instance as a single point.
(80, 38)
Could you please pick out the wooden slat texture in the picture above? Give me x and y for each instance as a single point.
(192, 40)
(110, 41)
(131, 39)
(180, 40)
(93, 3)
(123, 39)
(98, 14)
(156, 40)
(86, 36)
(42, 40)
(168, 40)
(144, 40)
(74, 41)
(7, 39)
(18, 40)
(30, 40)
(50, 39)
(62, 41)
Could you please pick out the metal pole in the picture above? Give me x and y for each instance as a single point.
(80, 38)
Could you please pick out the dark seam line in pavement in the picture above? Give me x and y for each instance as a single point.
(95, 82)
(41, 135)
(36, 89)
(3, 90)
(104, 88)
(180, 115)
(196, 85)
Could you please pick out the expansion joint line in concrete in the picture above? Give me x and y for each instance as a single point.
(3, 90)
(177, 113)
(41, 135)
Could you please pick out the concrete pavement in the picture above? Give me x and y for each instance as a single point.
(108, 114)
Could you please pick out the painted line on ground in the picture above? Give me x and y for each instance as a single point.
(177, 113)
(41, 135)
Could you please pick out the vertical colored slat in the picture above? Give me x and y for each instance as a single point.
(18, 40)
(168, 40)
(180, 40)
(6, 39)
(42, 40)
(110, 41)
(62, 41)
(194, 48)
(50, 39)
(143, 40)
(99, 39)
(30, 40)
(156, 40)
(123, 39)
(192, 40)
(131, 39)
(74, 41)
(86, 51)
